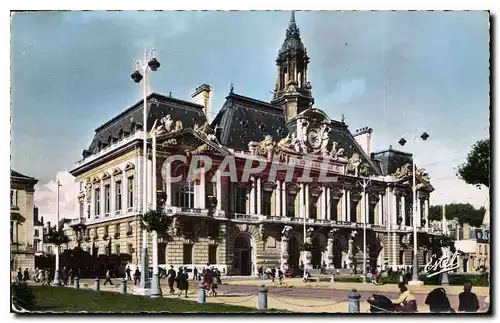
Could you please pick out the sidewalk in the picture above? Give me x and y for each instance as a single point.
(360, 287)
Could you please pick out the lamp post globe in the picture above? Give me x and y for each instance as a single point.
(136, 76)
(154, 64)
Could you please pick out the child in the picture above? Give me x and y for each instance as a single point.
(280, 276)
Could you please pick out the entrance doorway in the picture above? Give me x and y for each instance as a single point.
(317, 248)
(293, 252)
(243, 256)
(337, 254)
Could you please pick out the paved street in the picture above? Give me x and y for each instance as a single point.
(310, 298)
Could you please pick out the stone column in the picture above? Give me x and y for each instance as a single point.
(301, 201)
(348, 209)
(124, 193)
(329, 203)
(102, 199)
(350, 249)
(285, 235)
(322, 204)
(168, 184)
(218, 184)
(112, 197)
(380, 209)
(154, 174)
(343, 210)
(426, 212)
(403, 210)
(278, 198)
(283, 199)
(394, 216)
(307, 254)
(307, 201)
(329, 247)
(202, 189)
(394, 250)
(252, 196)
(259, 196)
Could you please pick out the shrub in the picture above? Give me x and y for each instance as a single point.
(349, 280)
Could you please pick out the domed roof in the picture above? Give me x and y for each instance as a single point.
(292, 42)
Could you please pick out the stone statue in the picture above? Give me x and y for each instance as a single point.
(178, 126)
(353, 164)
(403, 171)
(286, 231)
(325, 137)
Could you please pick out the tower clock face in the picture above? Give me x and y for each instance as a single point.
(314, 139)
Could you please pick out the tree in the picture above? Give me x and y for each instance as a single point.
(464, 213)
(476, 169)
(156, 221)
(56, 237)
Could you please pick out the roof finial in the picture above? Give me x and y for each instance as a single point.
(343, 118)
(232, 88)
(292, 18)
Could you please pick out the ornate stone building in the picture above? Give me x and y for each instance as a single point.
(255, 222)
(22, 221)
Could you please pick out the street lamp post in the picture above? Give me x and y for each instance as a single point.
(364, 185)
(57, 281)
(149, 62)
(414, 281)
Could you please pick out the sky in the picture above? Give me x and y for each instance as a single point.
(391, 71)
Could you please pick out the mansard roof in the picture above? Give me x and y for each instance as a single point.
(242, 120)
(390, 160)
(131, 120)
(18, 177)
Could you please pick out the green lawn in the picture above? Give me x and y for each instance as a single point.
(61, 299)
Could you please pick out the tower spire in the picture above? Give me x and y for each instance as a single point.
(292, 18)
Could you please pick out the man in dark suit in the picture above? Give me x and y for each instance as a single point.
(467, 300)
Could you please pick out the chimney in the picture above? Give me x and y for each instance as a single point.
(202, 97)
(364, 138)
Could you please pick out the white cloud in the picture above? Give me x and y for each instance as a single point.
(46, 198)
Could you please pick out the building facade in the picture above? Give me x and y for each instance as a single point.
(273, 217)
(22, 248)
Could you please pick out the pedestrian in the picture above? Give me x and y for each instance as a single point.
(41, 275)
(467, 300)
(217, 276)
(214, 284)
(438, 301)
(171, 279)
(182, 282)
(26, 275)
(128, 273)
(260, 272)
(273, 273)
(406, 302)
(71, 276)
(108, 277)
(35, 275)
(44, 277)
(280, 276)
(137, 276)
(65, 276)
(19, 275)
(195, 273)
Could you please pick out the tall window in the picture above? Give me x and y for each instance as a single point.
(129, 228)
(401, 257)
(186, 195)
(352, 216)
(187, 254)
(118, 189)
(107, 199)
(117, 230)
(371, 213)
(35, 245)
(333, 209)
(130, 192)
(290, 205)
(11, 231)
(313, 207)
(240, 199)
(130, 248)
(97, 201)
(212, 254)
(106, 232)
(117, 249)
(36, 232)
(81, 209)
(12, 198)
(266, 202)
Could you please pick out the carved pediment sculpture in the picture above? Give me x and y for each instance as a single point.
(171, 142)
(353, 164)
(167, 125)
(265, 148)
(402, 172)
(174, 228)
(332, 233)
(206, 131)
(364, 169)
(198, 150)
(422, 173)
(262, 232)
(353, 235)
(286, 231)
(406, 239)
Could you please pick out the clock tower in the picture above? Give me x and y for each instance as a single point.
(293, 90)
